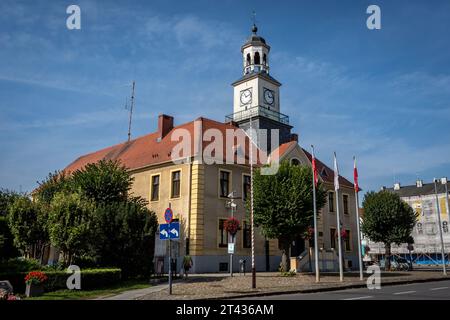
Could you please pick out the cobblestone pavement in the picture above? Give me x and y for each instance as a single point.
(223, 286)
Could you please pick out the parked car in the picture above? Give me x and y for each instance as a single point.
(397, 263)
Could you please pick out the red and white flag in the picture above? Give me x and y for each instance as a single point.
(336, 174)
(355, 175)
(314, 167)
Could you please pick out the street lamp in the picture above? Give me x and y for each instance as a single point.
(440, 227)
(233, 206)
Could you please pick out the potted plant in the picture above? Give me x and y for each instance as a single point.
(35, 283)
(231, 225)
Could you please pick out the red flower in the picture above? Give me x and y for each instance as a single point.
(35, 277)
(231, 225)
(344, 234)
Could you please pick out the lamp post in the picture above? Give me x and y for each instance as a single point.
(233, 206)
(444, 181)
(444, 270)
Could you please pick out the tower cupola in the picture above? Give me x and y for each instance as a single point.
(255, 53)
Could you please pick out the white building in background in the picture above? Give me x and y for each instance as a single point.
(427, 244)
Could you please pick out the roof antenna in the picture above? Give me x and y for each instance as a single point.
(131, 112)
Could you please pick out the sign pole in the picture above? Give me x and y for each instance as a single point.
(170, 260)
(232, 240)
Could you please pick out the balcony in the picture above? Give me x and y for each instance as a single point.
(258, 111)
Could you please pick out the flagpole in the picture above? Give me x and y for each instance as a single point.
(316, 246)
(355, 174)
(336, 188)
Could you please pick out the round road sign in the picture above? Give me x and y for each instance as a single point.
(168, 215)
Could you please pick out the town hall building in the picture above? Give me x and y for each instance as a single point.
(198, 192)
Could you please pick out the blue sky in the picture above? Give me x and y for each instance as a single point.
(382, 95)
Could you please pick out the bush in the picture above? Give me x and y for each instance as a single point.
(19, 265)
(90, 279)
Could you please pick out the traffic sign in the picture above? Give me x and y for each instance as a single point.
(169, 231)
(168, 215)
(230, 248)
(164, 232)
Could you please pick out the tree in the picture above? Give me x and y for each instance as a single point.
(103, 182)
(54, 183)
(7, 247)
(70, 223)
(387, 219)
(27, 222)
(283, 204)
(125, 236)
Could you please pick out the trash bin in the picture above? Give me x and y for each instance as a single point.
(242, 266)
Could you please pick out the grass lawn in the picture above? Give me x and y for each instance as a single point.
(91, 294)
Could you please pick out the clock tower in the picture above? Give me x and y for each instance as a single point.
(257, 93)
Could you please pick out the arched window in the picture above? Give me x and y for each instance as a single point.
(295, 162)
(264, 59)
(248, 59)
(257, 58)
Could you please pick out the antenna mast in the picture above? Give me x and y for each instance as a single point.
(131, 112)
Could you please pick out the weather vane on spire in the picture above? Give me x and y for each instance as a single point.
(254, 28)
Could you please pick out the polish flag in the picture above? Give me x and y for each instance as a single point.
(355, 175)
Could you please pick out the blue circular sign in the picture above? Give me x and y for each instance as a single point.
(168, 215)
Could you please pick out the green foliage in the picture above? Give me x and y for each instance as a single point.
(27, 222)
(90, 279)
(54, 183)
(283, 203)
(6, 198)
(387, 218)
(19, 265)
(90, 216)
(288, 274)
(125, 236)
(7, 247)
(103, 182)
(70, 224)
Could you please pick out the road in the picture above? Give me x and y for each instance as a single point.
(438, 290)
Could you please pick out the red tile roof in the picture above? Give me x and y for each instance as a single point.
(147, 150)
(326, 173)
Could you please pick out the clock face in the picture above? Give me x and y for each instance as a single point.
(246, 96)
(269, 96)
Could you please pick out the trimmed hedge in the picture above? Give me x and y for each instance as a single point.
(90, 279)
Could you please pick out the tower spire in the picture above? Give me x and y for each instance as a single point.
(254, 27)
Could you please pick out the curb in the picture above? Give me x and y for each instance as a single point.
(318, 290)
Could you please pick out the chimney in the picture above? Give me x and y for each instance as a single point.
(419, 183)
(165, 124)
(294, 137)
(397, 186)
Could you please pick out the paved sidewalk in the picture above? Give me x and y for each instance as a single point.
(222, 286)
(273, 283)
